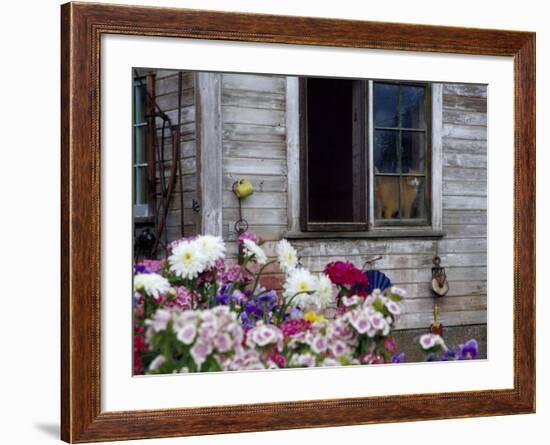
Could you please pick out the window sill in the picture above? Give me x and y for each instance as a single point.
(423, 232)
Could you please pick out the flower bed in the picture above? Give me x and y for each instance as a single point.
(194, 312)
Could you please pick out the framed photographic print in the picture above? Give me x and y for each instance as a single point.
(274, 222)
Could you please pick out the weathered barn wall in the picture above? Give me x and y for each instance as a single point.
(253, 116)
(166, 89)
(254, 146)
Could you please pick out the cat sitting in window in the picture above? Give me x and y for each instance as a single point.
(387, 197)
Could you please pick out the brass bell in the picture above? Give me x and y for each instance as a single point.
(243, 188)
(440, 285)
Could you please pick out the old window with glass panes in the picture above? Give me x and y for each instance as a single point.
(365, 157)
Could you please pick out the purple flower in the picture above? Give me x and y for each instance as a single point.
(398, 358)
(468, 350)
(140, 268)
(246, 321)
(296, 314)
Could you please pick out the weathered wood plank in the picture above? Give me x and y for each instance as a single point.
(464, 117)
(464, 217)
(363, 247)
(189, 184)
(401, 261)
(244, 166)
(464, 188)
(453, 304)
(173, 219)
(465, 231)
(210, 152)
(464, 89)
(257, 216)
(464, 146)
(465, 203)
(266, 232)
(254, 150)
(259, 200)
(187, 133)
(465, 132)
(254, 116)
(254, 82)
(436, 161)
(467, 160)
(462, 246)
(424, 319)
(464, 174)
(188, 166)
(168, 102)
(256, 133)
(473, 104)
(169, 84)
(261, 183)
(187, 115)
(456, 289)
(253, 99)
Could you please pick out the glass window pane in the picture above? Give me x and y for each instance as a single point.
(139, 104)
(387, 197)
(412, 157)
(413, 197)
(140, 185)
(385, 105)
(140, 155)
(385, 151)
(412, 107)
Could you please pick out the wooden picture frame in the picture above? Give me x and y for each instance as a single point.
(82, 26)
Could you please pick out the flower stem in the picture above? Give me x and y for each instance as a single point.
(258, 276)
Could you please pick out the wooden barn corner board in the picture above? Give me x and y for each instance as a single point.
(82, 26)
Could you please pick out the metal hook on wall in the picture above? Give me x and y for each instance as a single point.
(440, 285)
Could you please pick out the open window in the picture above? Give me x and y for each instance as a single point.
(366, 156)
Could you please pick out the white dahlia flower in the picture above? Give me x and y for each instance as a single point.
(211, 247)
(287, 256)
(252, 249)
(152, 284)
(187, 260)
(299, 286)
(323, 297)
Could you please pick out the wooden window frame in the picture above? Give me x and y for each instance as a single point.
(428, 178)
(144, 212)
(370, 226)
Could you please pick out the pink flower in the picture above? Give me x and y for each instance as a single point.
(390, 344)
(183, 299)
(248, 235)
(200, 351)
(153, 265)
(276, 357)
(293, 327)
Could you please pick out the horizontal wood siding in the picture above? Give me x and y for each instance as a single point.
(253, 114)
(254, 147)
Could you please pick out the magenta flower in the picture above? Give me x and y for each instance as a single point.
(345, 273)
(249, 236)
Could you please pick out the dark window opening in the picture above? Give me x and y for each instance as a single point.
(335, 155)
